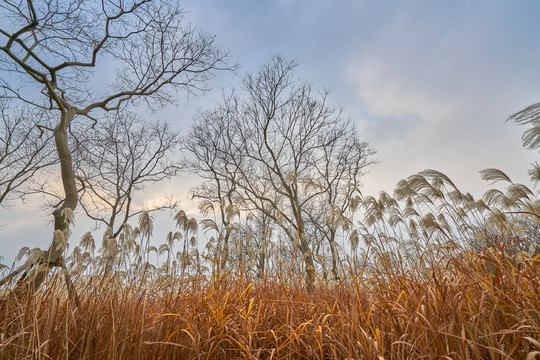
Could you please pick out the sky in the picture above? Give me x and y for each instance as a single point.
(429, 84)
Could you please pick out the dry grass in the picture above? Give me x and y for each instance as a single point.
(440, 275)
(462, 311)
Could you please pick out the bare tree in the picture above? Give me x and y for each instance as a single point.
(337, 177)
(24, 151)
(274, 145)
(121, 156)
(57, 46)
(216, 193)
(258, 240)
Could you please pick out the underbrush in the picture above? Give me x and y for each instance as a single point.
(475, 307)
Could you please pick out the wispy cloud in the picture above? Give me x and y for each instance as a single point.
(438, 94)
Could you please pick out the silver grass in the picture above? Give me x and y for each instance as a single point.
(433, 192)
(468, 198)
(152, 248)
(529, 116)
(193, 225)
(106, 237)
(428, 222)
(60, 238)
(250, 217)
(386, 200)
(498, 220)
(232, 228)
(127, 232)
(368, 239)
(403, 190)
(209, 225)
(355, 202)
(231, 211)
(493, 197)
(239, 201)
(146, 224)
(109, 245)
(76, 253)
(67, 213)
(456, 197)
(479, 205)
(206, 207)
(461, 213)
(418, 183)
(533, 207)
(413, 229)
(443, 222)
(498, 198)
(394, 220)
(534, 173)
(23, 252)
(439, 177)
(531, 136)
(172, 237)
(494, 175)
(136, 232)
(519, 191)
(182, 220)
(33, 258)
(310, 184)
(163, 248)
(87, 242)
(465, 228)
(374, 211)
(129, 246)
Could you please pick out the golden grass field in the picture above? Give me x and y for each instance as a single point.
(439, 275)
(466, 310)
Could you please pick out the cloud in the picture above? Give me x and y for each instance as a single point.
(439, 97)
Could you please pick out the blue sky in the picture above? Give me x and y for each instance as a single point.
(428, 83)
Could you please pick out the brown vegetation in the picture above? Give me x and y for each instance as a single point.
(462, 311)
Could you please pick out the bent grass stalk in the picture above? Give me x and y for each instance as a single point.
(422, 287)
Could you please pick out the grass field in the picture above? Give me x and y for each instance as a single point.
(466, 310)
(439, 275)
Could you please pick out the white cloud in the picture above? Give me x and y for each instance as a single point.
(437, 94)
(456, 126)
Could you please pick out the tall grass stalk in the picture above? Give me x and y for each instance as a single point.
(478, 306)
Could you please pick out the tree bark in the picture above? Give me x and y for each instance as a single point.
(306, 254)
(53, 256)
(225, 253)
(334, 257)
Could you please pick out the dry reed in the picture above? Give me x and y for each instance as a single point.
(476, 307)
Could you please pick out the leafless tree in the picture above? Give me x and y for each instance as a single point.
(24, 151)
(275, 144)
(216, 193)
(51, 51)
(258, 240)
(121, 156)
(338, 174)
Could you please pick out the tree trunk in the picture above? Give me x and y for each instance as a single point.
(306, 254)
(53, 256)
(308, 261)
(225, 252)
(334, 258)
(303, 244)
